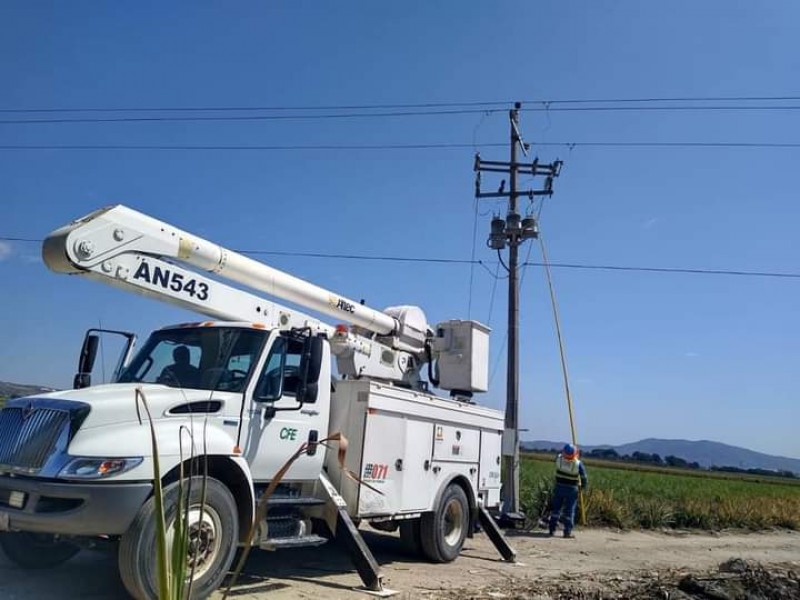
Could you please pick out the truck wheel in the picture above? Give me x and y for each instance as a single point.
(213, 536)
(443, 531)
(410, 537)
(36, 550)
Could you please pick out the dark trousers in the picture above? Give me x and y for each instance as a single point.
(565, 499)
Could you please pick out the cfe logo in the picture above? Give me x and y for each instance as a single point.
(375, 472)
(288, 433)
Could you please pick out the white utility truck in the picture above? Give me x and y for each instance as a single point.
(238, 395)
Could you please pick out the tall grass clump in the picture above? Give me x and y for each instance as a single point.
(535, 496)
(172, 543)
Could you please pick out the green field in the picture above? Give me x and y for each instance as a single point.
(629, 496)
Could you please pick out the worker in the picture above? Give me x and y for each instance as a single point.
(570, 477)
(182, 372)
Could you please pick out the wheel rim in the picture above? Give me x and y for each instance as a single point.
(453, 522)
(205, 540)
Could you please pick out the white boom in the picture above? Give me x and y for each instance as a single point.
(127, 249)
(109, 232)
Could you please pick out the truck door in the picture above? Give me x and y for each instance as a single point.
(277, 427)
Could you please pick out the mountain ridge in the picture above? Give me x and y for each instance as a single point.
(15, 390)
(706, 453)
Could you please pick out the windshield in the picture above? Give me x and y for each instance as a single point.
(203, 358)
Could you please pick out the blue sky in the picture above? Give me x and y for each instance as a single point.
(650, 355)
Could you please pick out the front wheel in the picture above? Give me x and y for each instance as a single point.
(442, 532)
(213, 531)
(36, 550)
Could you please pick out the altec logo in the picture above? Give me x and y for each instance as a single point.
(341, 304)
(375, 472)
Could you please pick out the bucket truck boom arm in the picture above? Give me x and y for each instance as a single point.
(127, 249)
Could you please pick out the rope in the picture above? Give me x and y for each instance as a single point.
(563, 364)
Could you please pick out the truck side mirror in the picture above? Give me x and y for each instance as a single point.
(83, 378)
(310, 366)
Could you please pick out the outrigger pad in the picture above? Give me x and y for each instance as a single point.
(384, 593)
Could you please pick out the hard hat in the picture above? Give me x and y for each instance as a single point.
(569, 452)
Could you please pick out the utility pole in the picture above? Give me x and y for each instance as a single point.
(511, 232)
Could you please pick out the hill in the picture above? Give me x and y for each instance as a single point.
(16, 390)
(704, 452)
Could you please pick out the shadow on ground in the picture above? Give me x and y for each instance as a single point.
(310, 564)
(93, 574)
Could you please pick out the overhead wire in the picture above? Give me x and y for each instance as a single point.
(412, 146)
(485, 264)
(393, 114)
(398, 106)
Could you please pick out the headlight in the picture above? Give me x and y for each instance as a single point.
(97, 468)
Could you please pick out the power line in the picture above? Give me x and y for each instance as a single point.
(395, 114)
(457, 261)
(715, 108)
(421, 146)
(311, 117)
(788, 98)
(740, 273)
(361, 257)
(275, 108)
(327, 147)
(672, 144)
(396, 106)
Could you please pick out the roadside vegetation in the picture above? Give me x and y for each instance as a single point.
(649, 498)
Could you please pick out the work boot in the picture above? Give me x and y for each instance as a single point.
(569, 534)
(551, 533)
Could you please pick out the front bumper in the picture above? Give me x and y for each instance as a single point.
(69, 508)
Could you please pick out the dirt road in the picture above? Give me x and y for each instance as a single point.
(597, 555)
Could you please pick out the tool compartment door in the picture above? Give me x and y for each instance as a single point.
(489, 473)
(456, 443)
(396, 449)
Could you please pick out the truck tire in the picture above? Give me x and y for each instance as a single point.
(443, 531)
(36, 550)
(410, 537)
(213, 532)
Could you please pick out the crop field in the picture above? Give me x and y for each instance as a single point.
(633, 496)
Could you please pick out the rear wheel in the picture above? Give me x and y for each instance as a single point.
(443, 531)
(213, 531)
(36, 550)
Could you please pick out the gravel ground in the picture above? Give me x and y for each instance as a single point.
(599, 563)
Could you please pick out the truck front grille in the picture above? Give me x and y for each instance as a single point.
(28, 436)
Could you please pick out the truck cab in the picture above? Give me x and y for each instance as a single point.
(78, 464)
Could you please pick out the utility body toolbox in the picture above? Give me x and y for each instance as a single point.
(407, 446)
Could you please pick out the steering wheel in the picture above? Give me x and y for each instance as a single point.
(167, 377)
(273, 376)
(237, 374)
(235, 379)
